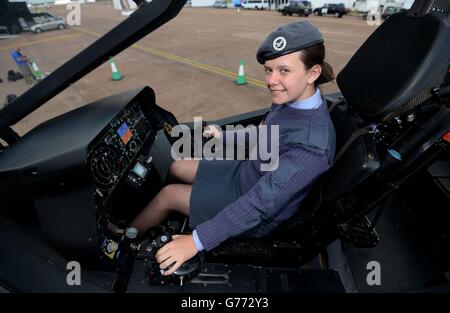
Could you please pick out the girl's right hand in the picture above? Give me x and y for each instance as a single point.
(212, 131)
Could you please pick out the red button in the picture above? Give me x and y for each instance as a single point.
(447, 136)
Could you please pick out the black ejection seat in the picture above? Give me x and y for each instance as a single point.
(399, 68)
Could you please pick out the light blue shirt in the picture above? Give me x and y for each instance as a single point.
(197, 241)
(312, 102)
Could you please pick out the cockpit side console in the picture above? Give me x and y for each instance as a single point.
(74, 165)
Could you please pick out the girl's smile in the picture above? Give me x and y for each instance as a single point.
(288, 80)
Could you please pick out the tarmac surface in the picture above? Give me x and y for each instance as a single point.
(191, 62)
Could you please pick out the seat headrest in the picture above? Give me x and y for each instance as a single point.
(397, 66)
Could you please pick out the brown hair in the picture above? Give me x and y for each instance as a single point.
(315, 55)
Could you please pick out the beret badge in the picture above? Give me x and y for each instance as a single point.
(279, 43)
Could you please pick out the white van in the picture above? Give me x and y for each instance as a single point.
(255, 4)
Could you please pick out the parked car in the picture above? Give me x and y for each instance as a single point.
(388, 11)
(307, 4)
(296, 8)
(220, 4)
(255, 4)
(40, 5)
(42, 16)
(49, 23)
(336, 9)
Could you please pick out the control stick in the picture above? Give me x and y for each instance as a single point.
(155, 274)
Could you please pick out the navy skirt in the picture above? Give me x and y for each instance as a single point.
(216, 185)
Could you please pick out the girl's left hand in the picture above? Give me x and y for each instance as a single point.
(176, 252)
(212, 131)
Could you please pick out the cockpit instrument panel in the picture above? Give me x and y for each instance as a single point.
(116, 147)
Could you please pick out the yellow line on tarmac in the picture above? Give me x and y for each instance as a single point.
(206, 67)
(87, 32)
(40, 41)
(202, 66)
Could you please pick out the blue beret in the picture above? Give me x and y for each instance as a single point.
(287, 39)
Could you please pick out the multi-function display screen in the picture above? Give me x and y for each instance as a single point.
(125, 133)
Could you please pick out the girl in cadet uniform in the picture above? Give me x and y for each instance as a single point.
(226, 198)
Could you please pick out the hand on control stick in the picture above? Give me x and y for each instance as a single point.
(175, 253)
